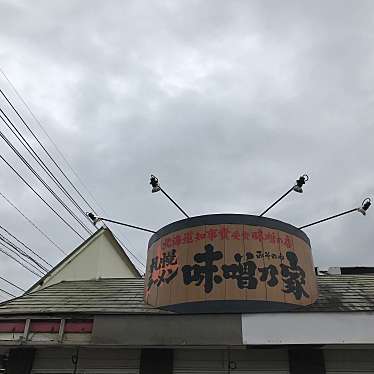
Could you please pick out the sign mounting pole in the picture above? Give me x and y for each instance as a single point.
(362, 209)
(156, 187)
(298, 187)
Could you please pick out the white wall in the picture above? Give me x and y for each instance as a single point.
(98, 259)
(308, 328)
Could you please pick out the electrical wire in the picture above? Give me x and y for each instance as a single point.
(10, 294)
(39, 142)
(40, 162)
(21, 258)
(125, 247)
(22, 255)
(41, 198)
(132, 254)
(12, 284)
(32, 223)
(23, 265)
(26, 246)
(49, 155)
(15, 150)
(139, 259)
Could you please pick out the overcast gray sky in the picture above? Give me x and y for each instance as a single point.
(227, 102)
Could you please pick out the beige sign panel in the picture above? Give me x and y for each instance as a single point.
(229, 268)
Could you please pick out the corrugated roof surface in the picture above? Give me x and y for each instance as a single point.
(342, 293)
(348, 293)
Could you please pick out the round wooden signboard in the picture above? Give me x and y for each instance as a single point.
(229, 263)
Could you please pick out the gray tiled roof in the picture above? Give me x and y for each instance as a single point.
(125, 296)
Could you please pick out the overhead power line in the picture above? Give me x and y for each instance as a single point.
(36, 268)
(55, 146)
(121, 240)
(130, 252)
(32, 223)
(10, 294)
(22, 255)
(39, 142)
(12, 284)
(19, 262)
(40, 162)
(96, 219)
(37, 175)
(26, 246)
(41, 198)
(17, 93)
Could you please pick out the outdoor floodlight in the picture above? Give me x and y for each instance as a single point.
(298, 187)
(154, 183)
(365, 206)
(92, 217)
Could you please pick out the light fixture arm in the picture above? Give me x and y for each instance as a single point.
(297, 187)
(156, 187)
(96, 219)
(328, 218)
(277, 201)
(187, 216)
(362, 209)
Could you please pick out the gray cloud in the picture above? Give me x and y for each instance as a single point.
(227, 102)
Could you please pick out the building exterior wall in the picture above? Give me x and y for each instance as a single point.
(88, 361)
(349, 361)
(168, 330)
(308, 328)
(235, 360)
(223, 361)
(191, 361)
(99, 259)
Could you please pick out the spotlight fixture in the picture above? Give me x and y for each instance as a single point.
(298, 187)
(154, 183)
(364, 206)
(92, 217)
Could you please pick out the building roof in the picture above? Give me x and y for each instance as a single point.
(86, 262)
(338, 293)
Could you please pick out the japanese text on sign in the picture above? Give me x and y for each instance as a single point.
(223, 233)
(246, 273)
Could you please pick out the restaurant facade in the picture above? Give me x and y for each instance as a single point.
(221, 294)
